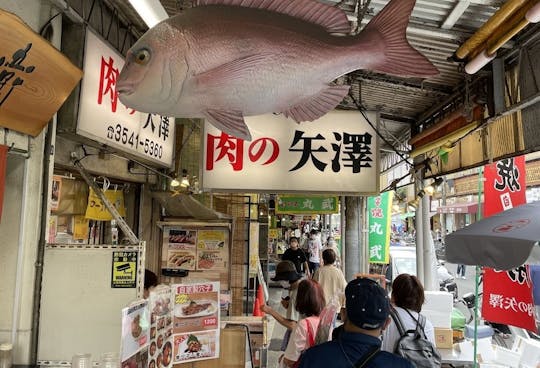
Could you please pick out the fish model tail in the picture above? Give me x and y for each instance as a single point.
(400, 58)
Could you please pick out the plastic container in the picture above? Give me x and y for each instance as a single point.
(109, 360)
(81, 361)
(6, 358)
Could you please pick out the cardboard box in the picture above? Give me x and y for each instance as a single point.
(443, 338)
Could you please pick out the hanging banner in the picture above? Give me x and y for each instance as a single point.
(508, 298)
(307, 204)
(96, 210)
(253, 248)
(337, 153)
(379, 220)
(3, 166)
(504, 187)
(507, 294)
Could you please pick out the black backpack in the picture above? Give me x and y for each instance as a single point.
(413, 345)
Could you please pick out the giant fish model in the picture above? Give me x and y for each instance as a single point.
(226, 59)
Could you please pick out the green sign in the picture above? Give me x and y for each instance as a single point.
(307, 204)
(379, 215)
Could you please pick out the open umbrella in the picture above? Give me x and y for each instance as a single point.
(503, 241)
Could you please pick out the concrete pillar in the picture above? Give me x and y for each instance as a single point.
(353, 236)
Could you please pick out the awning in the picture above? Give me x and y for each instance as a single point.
(185, 206)
(459, 208)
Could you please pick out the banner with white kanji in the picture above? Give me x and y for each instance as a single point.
(379, 220)
(507, 294)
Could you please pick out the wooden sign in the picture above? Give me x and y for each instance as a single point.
(35, 78)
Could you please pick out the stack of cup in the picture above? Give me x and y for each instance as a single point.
(5, 355)
(109, 360)
(81, 361)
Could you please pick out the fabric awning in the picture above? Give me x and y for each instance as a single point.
(471, 207)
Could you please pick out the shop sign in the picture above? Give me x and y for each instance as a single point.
(124, 269)
(337, 153)
(103, 118)
(35, 78)
(507, 294)
(505, 186)
(379, 219)
(135, 334)
(253, 248)
(307, 204)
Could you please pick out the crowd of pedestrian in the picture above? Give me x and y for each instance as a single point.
(365, 333)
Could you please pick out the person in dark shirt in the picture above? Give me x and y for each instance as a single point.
(296, 256)
(367, 311)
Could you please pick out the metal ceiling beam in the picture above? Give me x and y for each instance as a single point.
(455, 14)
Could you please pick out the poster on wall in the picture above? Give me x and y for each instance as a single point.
(56, 190)
(196, 318)
(135, 335)
(160, 349)
(195, 249)
(181, 248)
(212, 254)
(124, 269)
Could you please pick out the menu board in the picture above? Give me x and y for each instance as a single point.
(135, 335)
(161, 328)
(196, 322)
(195, 249)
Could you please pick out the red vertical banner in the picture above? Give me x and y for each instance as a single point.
(504, 187)
(508, 297)
(507, 294)
(3, 164)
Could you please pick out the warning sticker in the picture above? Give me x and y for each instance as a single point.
(124, 270)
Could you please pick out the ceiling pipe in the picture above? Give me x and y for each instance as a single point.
(513, 25)
(483, 33)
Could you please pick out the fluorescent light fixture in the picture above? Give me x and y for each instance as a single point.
(151, 11)
(533, 15)
(479, 62)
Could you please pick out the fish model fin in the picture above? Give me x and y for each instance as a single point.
(222, 75)
(318, 105)
(333, 19)
(400, 57)
(230, 122)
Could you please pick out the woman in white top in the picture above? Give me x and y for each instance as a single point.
(309, 303)
(407, 295)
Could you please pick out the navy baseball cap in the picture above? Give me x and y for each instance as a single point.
(367, 304)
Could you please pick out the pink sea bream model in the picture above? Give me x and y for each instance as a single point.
(226, 59)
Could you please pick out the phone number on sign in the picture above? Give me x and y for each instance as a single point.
(127, 137)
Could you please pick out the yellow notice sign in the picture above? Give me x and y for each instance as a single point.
(124, 270)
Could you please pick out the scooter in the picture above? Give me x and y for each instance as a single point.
(447, 281)
(499, 333)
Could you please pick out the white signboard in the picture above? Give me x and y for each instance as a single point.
(102, 117)
(337, 153)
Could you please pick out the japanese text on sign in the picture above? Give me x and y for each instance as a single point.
(104, 118)
(11, 72)
(379, 227)
(352, 151)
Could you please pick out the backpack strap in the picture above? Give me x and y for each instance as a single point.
(310, 334)
(367, 357)
(397, 321)
(420, 323)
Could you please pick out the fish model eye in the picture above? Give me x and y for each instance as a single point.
(142, 57)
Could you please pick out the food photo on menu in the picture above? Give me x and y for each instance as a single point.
(196, 322)
(160, 350)
(195, 346)
(135, 335)
(182, 236)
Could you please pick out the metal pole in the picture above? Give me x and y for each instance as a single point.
(121, 223)
(419, 223)
(477, 268)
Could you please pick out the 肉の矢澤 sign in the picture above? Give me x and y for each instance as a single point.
(337, 153)
(104, 118)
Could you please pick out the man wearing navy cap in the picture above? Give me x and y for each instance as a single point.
(367, 312)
